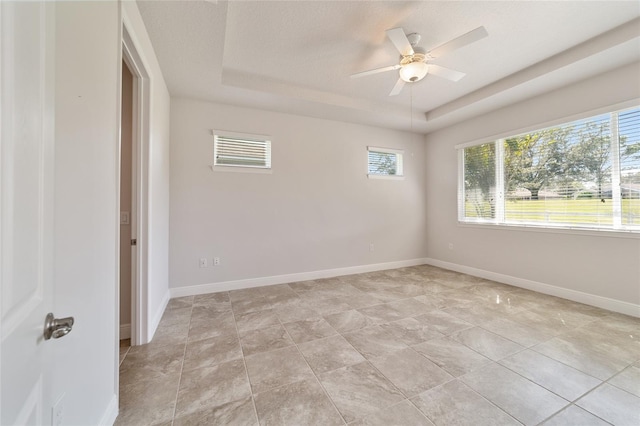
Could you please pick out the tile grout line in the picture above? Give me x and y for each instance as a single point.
(487, 399)
(474, 324)
(566, 365)
(125, 356)
(578, 407)
(311, 369)
(472, 390)
(428, 359)
(244, 361)
(536, 344)
(532, 348)
(406, 398)
(184, 354)
(454, 378)
(613, 377)
(598, 387)
(307, 363)
(570, 403)
(497, 362)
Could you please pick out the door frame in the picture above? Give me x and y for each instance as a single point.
(140, 189)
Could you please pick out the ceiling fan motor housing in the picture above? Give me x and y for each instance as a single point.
(414, 67)
(414, 39)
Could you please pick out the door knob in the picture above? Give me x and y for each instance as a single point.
(57, 327)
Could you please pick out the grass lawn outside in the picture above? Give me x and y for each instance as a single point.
(561, 211)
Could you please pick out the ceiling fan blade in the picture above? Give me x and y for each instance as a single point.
(447, 73)
(400, 41)
(376, 71)
(397, 88)
(468, 38)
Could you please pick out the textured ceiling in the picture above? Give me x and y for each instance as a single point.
(296, 56)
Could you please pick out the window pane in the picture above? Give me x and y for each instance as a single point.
(560, 175)
(629, 131)
(584, 173)
(479, 181)
(383, 163)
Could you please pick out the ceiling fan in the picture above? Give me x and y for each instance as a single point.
(414, 61)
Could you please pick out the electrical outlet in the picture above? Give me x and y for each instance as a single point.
(450, 246)
(372, 247)
(57, 412)
(216, 261)
(203, 262)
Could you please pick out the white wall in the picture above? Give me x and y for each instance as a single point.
(159, 204)
(86, 221)
(157, 260)
(595, 265)
(317, 211)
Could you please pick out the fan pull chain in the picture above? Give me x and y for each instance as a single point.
(411, 105)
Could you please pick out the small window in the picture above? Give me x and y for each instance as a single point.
(241, 150)
(385, 163)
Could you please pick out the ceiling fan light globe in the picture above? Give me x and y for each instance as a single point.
(414, 71)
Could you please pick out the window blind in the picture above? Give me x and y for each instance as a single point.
(479, 181)
(629, 137)
(585, 173)
(241, 151)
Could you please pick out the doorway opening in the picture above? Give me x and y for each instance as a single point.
(127, 205)
(134, 162)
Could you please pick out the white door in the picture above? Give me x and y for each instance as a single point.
(26, 209)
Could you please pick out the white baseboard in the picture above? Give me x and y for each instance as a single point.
(125, 331)
(155, 320)
(111, 413)
(289, 278)
(577, 296)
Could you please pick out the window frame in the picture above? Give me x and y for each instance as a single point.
(242, 168)
(499, 221)
(399, 153)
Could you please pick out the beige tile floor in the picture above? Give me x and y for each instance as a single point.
(410, 346)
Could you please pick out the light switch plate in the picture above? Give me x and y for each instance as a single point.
(124, 218)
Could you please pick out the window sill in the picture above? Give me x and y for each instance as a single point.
(388, 177)
(581, 231)
(237, 169)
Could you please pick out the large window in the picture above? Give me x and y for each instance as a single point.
(580, 174)
(241, 150)
(384, 163)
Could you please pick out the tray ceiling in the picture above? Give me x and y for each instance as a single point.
(296, 56)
